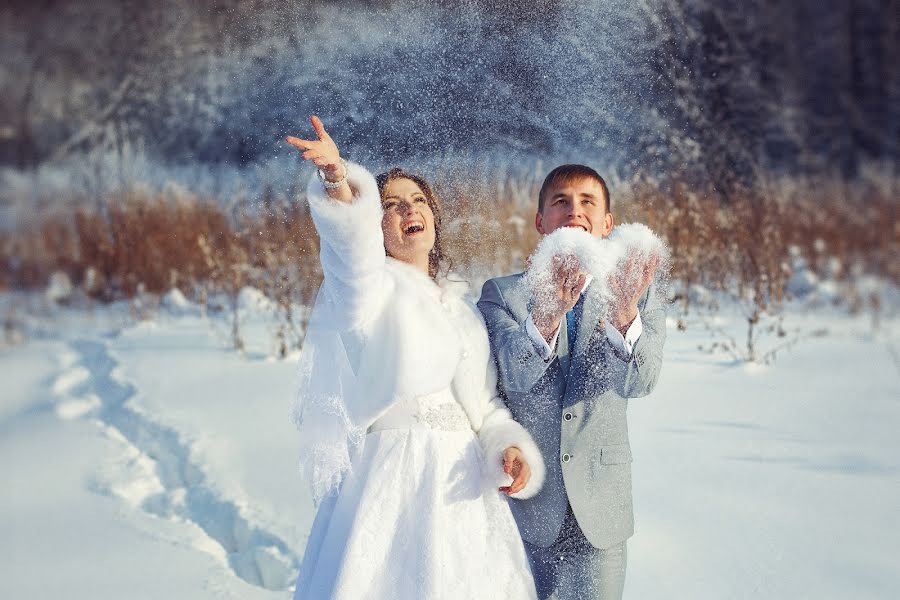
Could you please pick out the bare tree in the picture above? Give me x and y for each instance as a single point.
(229, 270)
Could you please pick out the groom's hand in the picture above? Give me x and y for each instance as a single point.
(515, 465)
(628, 284)
(561, 294)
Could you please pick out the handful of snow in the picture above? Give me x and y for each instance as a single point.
(576, 248)
(615, 263)
(637, 242)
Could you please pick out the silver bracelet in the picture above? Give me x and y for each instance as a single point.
(333, 185)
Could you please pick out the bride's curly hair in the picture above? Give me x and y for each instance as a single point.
(437, 260)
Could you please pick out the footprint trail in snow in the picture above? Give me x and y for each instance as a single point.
(168, 485)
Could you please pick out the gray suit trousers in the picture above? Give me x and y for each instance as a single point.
(572, 569)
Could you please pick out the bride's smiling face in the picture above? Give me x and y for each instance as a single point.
(408, 222)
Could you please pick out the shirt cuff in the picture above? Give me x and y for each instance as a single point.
(544, 349)
(625, 343)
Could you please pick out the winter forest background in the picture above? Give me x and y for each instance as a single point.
(695, 89)
(709, 116)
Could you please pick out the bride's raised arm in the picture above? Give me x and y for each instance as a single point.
(346, 208)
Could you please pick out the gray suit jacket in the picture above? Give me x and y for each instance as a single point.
(574, 407)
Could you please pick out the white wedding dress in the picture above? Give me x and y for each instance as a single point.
(416, 518)
(409, 503)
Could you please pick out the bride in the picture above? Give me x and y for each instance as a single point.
(402, 435)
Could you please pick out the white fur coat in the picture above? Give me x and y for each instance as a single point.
(380, 332)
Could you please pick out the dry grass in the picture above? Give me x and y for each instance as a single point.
(745, 246)
(156, 242)
(150, 241)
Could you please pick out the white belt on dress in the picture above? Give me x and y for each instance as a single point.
(439, 412)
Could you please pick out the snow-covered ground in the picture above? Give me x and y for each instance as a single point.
(149, 461)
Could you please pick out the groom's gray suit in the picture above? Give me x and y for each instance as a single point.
(574, 406)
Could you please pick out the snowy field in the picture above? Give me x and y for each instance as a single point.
(146, 460)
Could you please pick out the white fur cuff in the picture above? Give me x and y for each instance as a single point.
(362, 213)
(497, 438)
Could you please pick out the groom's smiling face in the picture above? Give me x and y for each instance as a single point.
(579, 203)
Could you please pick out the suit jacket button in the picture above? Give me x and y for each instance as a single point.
(567, 458)
(568, 416)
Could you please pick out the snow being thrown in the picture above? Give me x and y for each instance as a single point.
(615, 263)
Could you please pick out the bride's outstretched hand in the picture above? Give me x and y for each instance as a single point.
(323, 153)
(515, 465)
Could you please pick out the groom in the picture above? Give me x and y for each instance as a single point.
(566, 375)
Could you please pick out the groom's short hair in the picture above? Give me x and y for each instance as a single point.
(568, 174)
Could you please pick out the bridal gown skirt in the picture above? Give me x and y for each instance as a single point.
(418, 518)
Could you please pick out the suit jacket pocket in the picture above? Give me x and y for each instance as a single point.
(608, 469)
(619, 454)
(602, 500)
